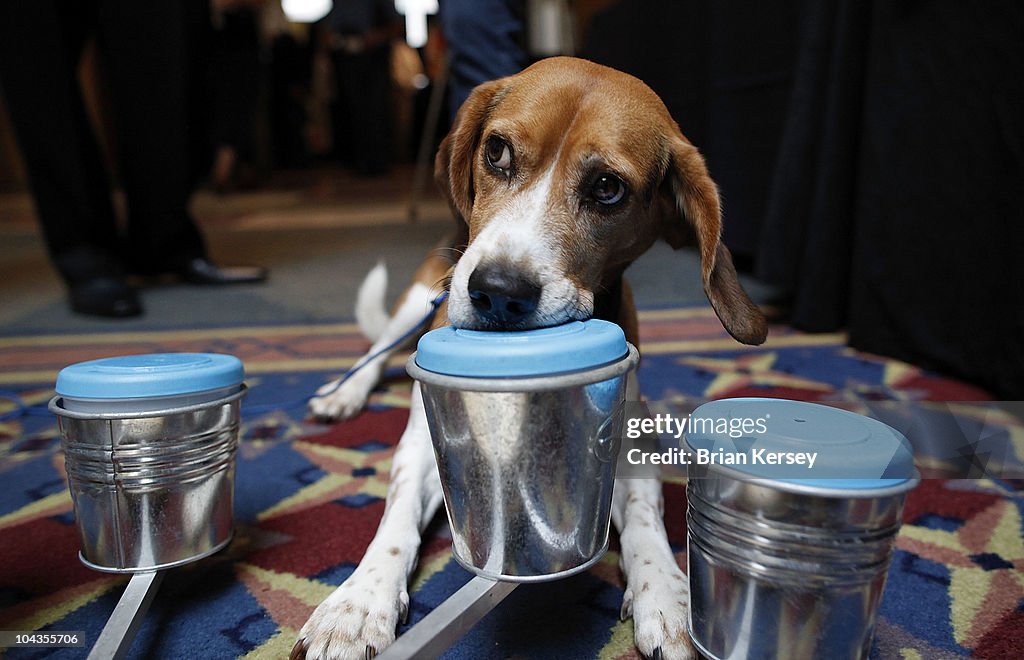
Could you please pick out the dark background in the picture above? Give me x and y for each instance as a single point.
(870, 154)
(870, 157)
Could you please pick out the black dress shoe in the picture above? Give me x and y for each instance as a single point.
(104, 296)
(202, 271)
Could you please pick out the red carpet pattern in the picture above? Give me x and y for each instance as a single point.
(309, 496)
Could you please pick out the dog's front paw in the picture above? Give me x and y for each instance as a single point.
(658, 599)
(357, 621)
(338, 402)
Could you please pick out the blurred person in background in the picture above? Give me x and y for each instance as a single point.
(152, 57)
(485, 41)
(359, 36)
(236, 73)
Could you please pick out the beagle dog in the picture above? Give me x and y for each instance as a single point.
(559, 177)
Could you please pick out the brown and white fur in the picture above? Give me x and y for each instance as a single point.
(559, 177)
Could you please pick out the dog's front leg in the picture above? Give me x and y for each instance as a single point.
(359, 619)
(657, 594)
(344, 399)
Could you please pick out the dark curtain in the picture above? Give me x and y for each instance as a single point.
(724, 70)
(805, 238)
(897, 207)
(870, 156)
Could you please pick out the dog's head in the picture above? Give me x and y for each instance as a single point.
(565, 173)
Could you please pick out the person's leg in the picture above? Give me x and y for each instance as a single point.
(148, 49)
(484, 42)
(342, 122)
(368, 92)
(155, 53)
(40, 44)
(39, 54)
(233, 81)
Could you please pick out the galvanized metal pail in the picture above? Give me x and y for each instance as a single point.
(149, 446)
(526, 429)
(786, 560)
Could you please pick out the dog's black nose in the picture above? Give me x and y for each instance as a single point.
(502, 295)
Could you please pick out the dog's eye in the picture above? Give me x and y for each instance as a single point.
(608, 190)
(498, 154)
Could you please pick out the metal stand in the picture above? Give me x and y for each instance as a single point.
(116, 637)
(449, 620)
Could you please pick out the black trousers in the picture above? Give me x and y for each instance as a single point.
(151, 54)
(363, 123)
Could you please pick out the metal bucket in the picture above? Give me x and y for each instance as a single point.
(152, 478)
(527, 464)
(794, 567)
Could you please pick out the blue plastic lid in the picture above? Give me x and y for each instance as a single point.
(851, 452)
(574, 346)
(153, 375)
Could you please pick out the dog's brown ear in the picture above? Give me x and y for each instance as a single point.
(695, 197)
(453, 166)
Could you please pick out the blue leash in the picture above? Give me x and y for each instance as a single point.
(434, 304)
(21, 409)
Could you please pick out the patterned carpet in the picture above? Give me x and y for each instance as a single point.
(308, 498)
